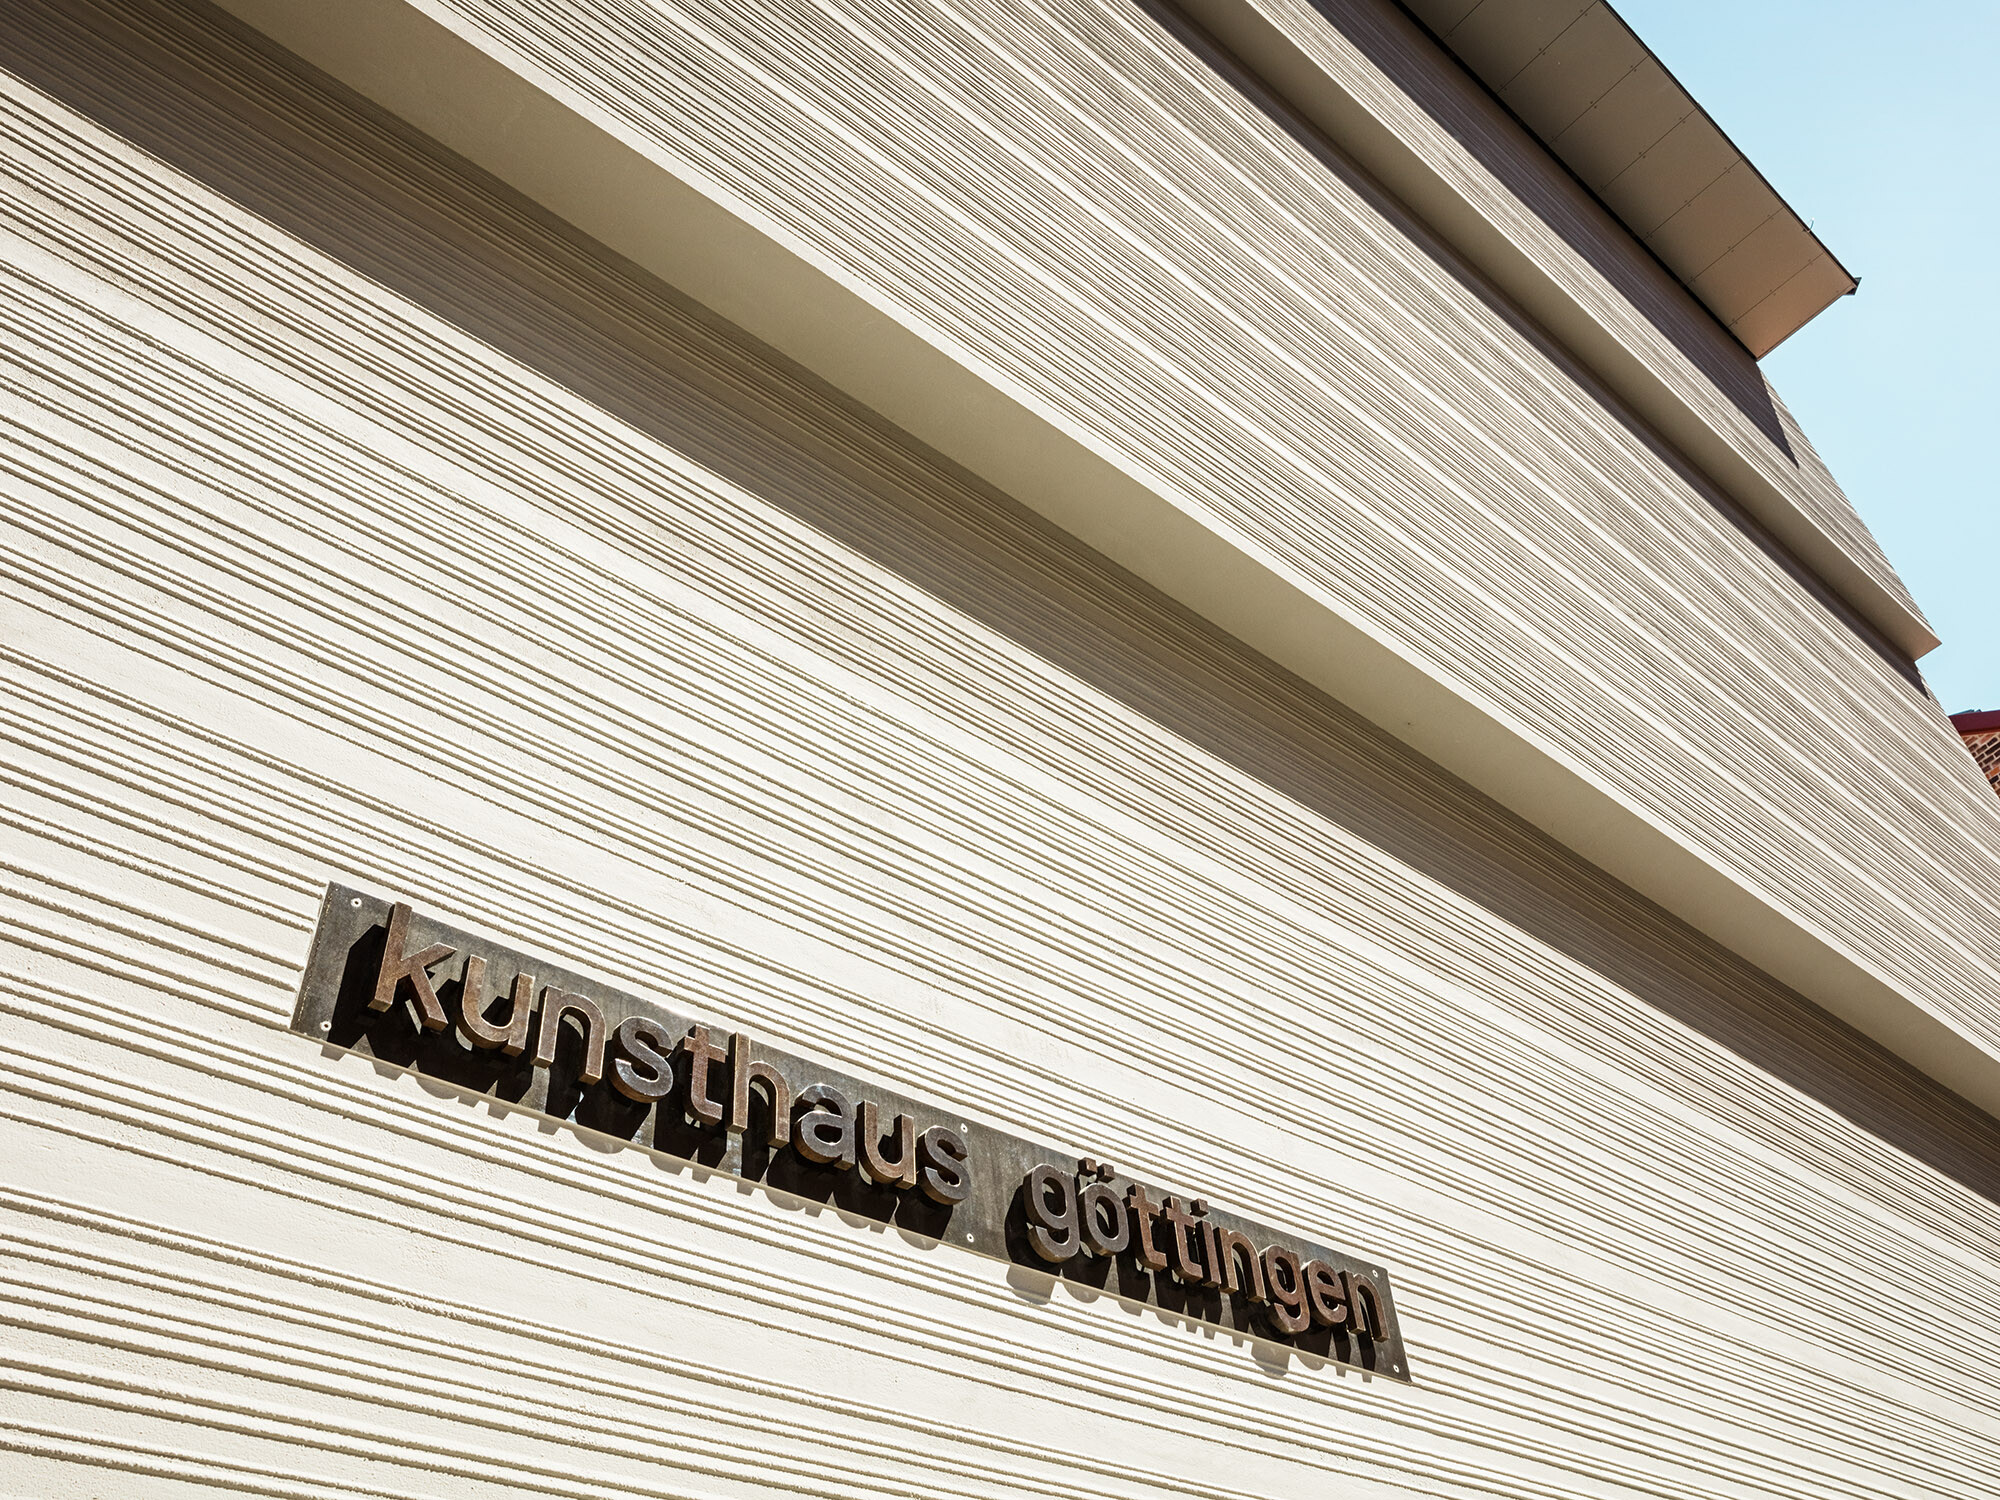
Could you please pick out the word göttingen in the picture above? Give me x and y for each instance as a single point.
(405, 989)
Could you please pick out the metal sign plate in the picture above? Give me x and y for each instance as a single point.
(392, 984)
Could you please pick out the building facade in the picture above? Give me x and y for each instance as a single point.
(1212, 590)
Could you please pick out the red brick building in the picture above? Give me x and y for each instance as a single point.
(1980, 730)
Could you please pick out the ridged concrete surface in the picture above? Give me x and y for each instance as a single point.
(354, 522)
(1488, 161)
(1079, 198)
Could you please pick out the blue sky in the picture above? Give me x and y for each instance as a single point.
(1881, 126)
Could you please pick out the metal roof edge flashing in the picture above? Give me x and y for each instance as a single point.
(1585, 85)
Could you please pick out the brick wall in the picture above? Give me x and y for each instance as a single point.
(1981, 733)
(1985, 749)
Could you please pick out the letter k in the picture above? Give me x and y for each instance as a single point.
(396, 967)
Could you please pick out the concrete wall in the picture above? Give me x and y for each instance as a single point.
(358, 520)
(1079, 251)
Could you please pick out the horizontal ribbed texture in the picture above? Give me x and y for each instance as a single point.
(355, 522)
(1492, 162)
(1080, 198)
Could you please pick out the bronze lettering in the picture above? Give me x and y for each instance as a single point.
(511, 1037)
(369, 978)
(1048, 1197)
(1326, 1295)
(645, 1072)
(1367, 1313)
(1284, 1277)
(941, 1152)
(897, 1169)
(412, 969)
(824, 1133)
(1101, 1217)
(1183, 1241)
(1231, 1250)
(1211, 1254)
(559, 1003)
(1144, 1212)
(742, 1073)
(701, 1053)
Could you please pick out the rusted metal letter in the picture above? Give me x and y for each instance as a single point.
(897, 1170)
(1367, 1309)
(1233, 1250)
(1211, 1256)
(400, 968)
(1326, 1295)
(701, 1052)
(824, 1133)
(1048, 1198)
(1184, 1238)
(555, 1005)
(1284, 1277)
(1101, 1217)
(648, 1075)
(1144, 1211)
(742, 1073)
(511, 1037)
(941, 1154)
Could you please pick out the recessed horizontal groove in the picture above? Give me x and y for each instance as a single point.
(599, 1382)
(684, 813)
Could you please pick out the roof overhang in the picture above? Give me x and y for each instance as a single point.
(1575, 74)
